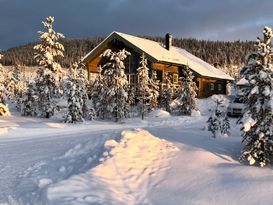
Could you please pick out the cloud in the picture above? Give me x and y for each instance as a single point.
(210, 19)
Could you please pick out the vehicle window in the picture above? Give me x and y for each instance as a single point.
(238, 100)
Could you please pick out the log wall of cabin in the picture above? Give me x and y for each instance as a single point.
(93, 65)
(163, 68)
(206, 86)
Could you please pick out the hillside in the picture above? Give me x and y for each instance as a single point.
(224, 54)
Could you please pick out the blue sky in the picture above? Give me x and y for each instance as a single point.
(203, 19)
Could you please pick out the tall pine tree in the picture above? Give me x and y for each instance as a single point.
(97, 95)
(167, 93)
(257, 132)
(187, 94)
(49, 74)
(154, 91)
(76, 95)
(143, 88)
(115, 85)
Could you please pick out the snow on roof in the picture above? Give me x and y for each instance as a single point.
(202, 67)
(173, 56)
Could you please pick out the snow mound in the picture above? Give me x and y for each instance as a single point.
(195, 113)
(4, 110)
(159, 114)
(129, 169)
(206, 104)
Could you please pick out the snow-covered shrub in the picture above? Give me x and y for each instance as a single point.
(186, 100)
(92, 115)
(167, 93)
(218, 123)
(50, 72)
(257, 129)
(4, 110)
(112, 94)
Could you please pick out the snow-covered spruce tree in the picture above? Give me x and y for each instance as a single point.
(167, 93)
(143, 89)
(10, 84)
(76, 95)
(14, 84)
(257, 131)
(225, 126)
(215, 120)
(115, 85)
(187, 94)
(132, 96)
(21, 86)
(2, 81)
(97, 95)
(49, 74)
(88, 113)
(29, 104)
(154, 89)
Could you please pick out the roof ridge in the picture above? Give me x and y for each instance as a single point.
(117, 32)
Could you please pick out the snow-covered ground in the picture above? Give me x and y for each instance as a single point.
(161, 160)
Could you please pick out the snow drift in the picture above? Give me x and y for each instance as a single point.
(128, 170)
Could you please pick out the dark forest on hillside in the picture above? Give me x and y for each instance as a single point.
(224, 54)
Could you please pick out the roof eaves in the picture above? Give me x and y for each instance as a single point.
(109, 38)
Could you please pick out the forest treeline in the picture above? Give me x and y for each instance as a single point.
(220, 53)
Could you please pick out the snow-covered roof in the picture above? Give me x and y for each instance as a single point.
(160, 54)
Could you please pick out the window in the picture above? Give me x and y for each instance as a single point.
(219, 87)
(238, 100)
(212, 86)
(175, 78)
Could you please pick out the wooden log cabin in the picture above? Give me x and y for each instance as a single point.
(161, 58)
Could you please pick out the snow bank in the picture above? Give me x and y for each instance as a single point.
(129, 169)
(204, 105)
(159, 114)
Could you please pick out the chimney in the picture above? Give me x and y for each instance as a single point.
(168, 41)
